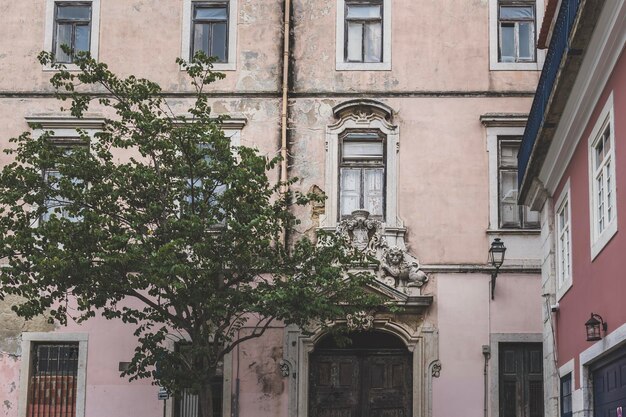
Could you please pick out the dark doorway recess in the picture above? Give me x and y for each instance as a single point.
(609, 385)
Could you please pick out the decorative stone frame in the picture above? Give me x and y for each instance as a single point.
(422, 343)
(370, 115)
(233, 13)
(94, 41)
(340, 64)
(28, 339)
(494, 362)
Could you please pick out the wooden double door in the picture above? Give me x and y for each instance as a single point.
(360, 383)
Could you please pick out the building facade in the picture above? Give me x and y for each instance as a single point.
(407, 114)
(572, 169)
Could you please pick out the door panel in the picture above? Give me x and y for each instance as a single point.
(334, 382)
(609, 386)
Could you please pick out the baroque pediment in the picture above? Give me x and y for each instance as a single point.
(396, 268)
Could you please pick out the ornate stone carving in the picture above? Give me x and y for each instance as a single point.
(284, 367)
(436, 369)
(360, 321)
(397, 267)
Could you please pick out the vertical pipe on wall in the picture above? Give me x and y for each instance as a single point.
(285, 98)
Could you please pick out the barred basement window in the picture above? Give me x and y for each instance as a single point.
(53, 380)
(362, 174)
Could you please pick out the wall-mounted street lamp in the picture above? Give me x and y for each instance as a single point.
(594, 326)
(496, 258)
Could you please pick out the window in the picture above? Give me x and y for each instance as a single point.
(210, 26)
(511, 215)
(364, 32)
(363, 35)
(55, 364)
(362, 174)
(520, 379)
(210, 30)
(602, 180)
(513, 35)
(564, 242)
(74, 23)
(516, 32)
(566, 396)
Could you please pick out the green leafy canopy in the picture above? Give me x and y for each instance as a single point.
(160, 222)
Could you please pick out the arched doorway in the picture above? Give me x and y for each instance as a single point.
(369, 377)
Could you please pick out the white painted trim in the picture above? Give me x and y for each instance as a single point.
(494, 65)
(340, 64)
(94, 44)
(602, 53)
(233, 13)
(599, 240)
(567, 283)
(567, 368)
(494, 362)
(392, 134)
(28, 338)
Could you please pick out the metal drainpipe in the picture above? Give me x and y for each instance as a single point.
(285, 98)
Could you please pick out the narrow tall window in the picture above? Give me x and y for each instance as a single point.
(363, 31)
(210, 29)
(362, 174)
(564, 256)
(512, 215)
(53, 380)
(72, 28)
(516, 31)
(566, 396)
(603, 180)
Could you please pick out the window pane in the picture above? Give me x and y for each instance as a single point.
(509, 210)
(517, 13)
(355, 37)
(74, 12)
(373, 42)
(218, 41)
(63, 37)
(363, 11)
(599, 153)
(363, 150)
(201, 38)
(526, 41)
(373, 183)
(507, 43)
(532, 217)
(211, 13)
(508, 154)
(350, 190)
(82, 39)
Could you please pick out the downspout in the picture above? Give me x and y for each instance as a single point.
(284, 117)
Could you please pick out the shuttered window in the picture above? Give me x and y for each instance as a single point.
(520, 379)
(362, 174)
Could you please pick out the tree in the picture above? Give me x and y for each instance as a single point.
(189, 226)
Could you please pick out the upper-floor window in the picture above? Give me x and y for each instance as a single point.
(602, 179)
(511, 214)
(516, 31)
(363, 35)
(210, 30)
(362, 173)
(72, 27)
(564, 242)
(210, 26)
(364, 31)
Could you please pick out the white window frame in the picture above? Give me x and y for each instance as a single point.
(599, 239)
(359, 122)
(233, 12)
(494, 41)
(94, 43)
(340, 64)
(563, 281)
(28, 340)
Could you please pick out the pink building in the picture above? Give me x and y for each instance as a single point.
(437, 92)
(573, 169)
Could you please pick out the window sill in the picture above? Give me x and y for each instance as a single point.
(563, 289)
(68, 67)
(363, 66)
(531, 232)
(602, 240)
(220, 66)
(515, 66)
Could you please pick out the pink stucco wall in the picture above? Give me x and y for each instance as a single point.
(598, 285)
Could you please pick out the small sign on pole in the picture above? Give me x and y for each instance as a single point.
(163, 394)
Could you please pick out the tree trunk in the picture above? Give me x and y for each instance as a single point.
(205, 401)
